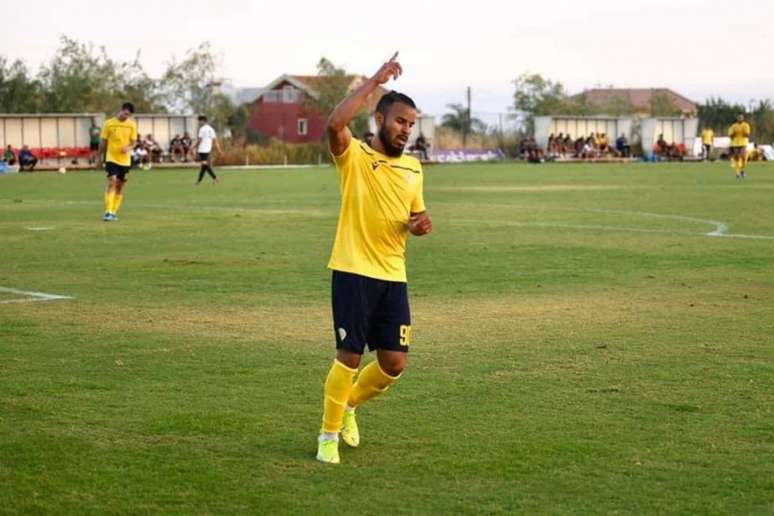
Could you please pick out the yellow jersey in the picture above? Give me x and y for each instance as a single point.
(707, 136)
(740, 134)
(378, 194)
(118, 135)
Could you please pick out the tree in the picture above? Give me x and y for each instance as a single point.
(190, 85)
(662, 104)
(615, 106)
(536, 96)
(82, 78)
(719, 114)
(460, 120)
(762, 120)
(332, 85)
(19, 91)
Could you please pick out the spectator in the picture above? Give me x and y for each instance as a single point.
(176, 148)
(756, 154)
(603, 144)
(94, 138)
(153, 148)
(140, 155)
(530, 152)
(623, 147)
(186, 142)
(707, 137)
(421, 145)
(567, 144)
(662, 147)
(27, 159)
(9, 156)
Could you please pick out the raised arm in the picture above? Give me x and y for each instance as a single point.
(339, 134)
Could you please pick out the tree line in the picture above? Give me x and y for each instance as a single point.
(83, 78)
(537, 96)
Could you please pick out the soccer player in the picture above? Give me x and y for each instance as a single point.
(707, 137)
(118, 136)
(204, 142)
(381, 202)
(740, 137)
(94, 139)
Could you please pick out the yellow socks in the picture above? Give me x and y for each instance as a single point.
(371, 382)
(109, 201)
(117, 199)
(338, 385)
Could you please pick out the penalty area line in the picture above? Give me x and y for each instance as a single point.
(31, 297)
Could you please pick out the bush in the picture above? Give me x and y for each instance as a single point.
(275, 152)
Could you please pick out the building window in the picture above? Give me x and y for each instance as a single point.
(272, 97)
(289, 94)
(303, 127)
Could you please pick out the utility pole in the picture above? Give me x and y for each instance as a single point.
(466, 127)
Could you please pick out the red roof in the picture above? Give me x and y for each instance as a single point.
(640, 98)
(312, 81)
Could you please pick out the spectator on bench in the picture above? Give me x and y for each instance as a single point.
(176, 148)
(186, 142)
(140, 155)
(9, 156)
(153, 148)
(421, 145)
(27, 159)
(623, 147)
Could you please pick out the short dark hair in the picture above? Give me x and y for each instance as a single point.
(202, 118)
(388, 99)
(128, 106)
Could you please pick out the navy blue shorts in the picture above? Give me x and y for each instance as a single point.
(114, 169)
(372, 312)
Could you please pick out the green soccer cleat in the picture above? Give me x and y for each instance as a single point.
(328, 451)
(349, 431)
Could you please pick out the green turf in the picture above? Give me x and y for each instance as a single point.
(580, 346)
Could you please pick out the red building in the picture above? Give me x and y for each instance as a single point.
(281, 110)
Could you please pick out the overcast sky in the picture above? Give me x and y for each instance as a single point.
(698, 48)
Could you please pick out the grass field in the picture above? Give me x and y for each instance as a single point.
(580, 345)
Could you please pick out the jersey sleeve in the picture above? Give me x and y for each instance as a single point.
(134, 133)
(418, 203)
(348, 160)
(103, 134)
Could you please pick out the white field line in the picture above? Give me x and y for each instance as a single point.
(31, 296)
(41, 228)
(720, 228)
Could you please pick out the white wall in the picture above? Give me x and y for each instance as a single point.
(44, 130)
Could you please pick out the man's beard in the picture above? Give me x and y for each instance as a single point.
(389, 149)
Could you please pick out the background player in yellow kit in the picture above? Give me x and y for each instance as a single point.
(117, 138)
(740, 137)
(381, 202)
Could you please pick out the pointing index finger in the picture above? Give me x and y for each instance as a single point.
(394, 56)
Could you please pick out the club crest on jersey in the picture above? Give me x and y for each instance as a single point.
(375, 165)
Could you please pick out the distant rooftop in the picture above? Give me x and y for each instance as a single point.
(640, 98)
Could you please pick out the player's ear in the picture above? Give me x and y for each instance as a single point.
(379, 117)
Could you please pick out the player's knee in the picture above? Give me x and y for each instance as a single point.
(393, 364)
(348, 358)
